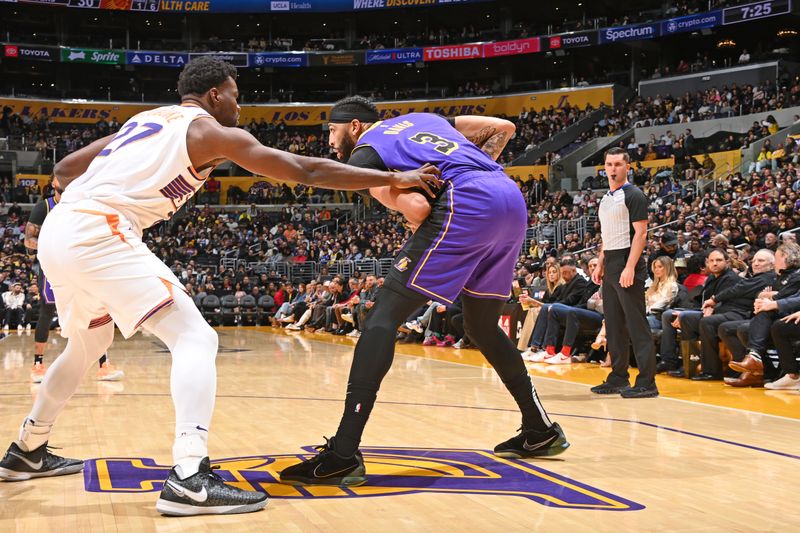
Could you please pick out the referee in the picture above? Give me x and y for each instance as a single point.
(622, 272)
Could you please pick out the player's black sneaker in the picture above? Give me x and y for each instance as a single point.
(327, 468)
(18, 465)
(532, 443)
(206, 493)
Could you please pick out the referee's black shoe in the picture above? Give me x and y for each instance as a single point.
(18, 465)
(639, 392)
(327, 468)
(609, 388)
(532, 443)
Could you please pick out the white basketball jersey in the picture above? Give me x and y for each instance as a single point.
(145, 171)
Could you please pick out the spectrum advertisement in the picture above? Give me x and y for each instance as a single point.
(636, 32)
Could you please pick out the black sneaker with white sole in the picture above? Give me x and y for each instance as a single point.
(206, 493)
(532, 443)
(327, 468)
(18, 465)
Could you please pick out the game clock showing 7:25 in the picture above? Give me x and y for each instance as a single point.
(748, 12)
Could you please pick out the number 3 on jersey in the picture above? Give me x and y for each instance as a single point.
(441, 145)
(125, 136)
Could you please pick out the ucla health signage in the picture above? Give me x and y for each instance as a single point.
(279, 59)
(636, 32)
(692, 22)
(157, 59)
(397, 55)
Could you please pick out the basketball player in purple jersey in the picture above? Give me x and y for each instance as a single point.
(468, 245)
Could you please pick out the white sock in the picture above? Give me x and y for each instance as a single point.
(193, 344)
(32, 436)
(187, 452)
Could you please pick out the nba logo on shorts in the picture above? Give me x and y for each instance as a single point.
(402, 264)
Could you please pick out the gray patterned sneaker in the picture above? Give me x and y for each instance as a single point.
(19, 466)
(206, 493)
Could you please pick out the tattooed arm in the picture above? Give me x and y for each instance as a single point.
(490, 134)
(32, 237)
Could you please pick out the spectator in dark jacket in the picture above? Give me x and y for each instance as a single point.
(733, 303)
(756, 334)
(720, 277)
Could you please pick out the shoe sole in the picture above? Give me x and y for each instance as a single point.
(116, 376)
(346, 481)
(559, 447)
(11, 475)
(170, 508)
(608, 391)
(733, 365)
(645, 395)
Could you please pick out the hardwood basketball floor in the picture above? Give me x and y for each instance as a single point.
(699, 458)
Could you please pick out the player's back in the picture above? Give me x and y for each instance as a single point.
(145, 171)
(409, 141)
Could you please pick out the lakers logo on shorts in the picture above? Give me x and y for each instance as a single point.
(390, 471)
(402, 264)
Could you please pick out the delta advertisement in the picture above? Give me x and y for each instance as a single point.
(157, 59)
(67, 112)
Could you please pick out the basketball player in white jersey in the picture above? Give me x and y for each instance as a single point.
(91, 249)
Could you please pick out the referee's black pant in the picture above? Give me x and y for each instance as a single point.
(626, 321)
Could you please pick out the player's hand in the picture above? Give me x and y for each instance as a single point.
(425, 177)
(626, 278)
(676, 323)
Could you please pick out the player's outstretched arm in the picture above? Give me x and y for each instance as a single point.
(207, 141)
(490, 134)
(76, 163)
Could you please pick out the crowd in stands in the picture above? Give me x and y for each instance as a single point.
(249, 253)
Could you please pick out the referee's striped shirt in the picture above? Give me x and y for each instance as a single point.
(618, 211)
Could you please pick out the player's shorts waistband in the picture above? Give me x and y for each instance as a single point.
(470, 175)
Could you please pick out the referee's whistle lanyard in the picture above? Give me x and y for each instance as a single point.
(626, 184)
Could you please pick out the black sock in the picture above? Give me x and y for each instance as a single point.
(103, 360)
(524, 394)
(357, 407)
(38, 358)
